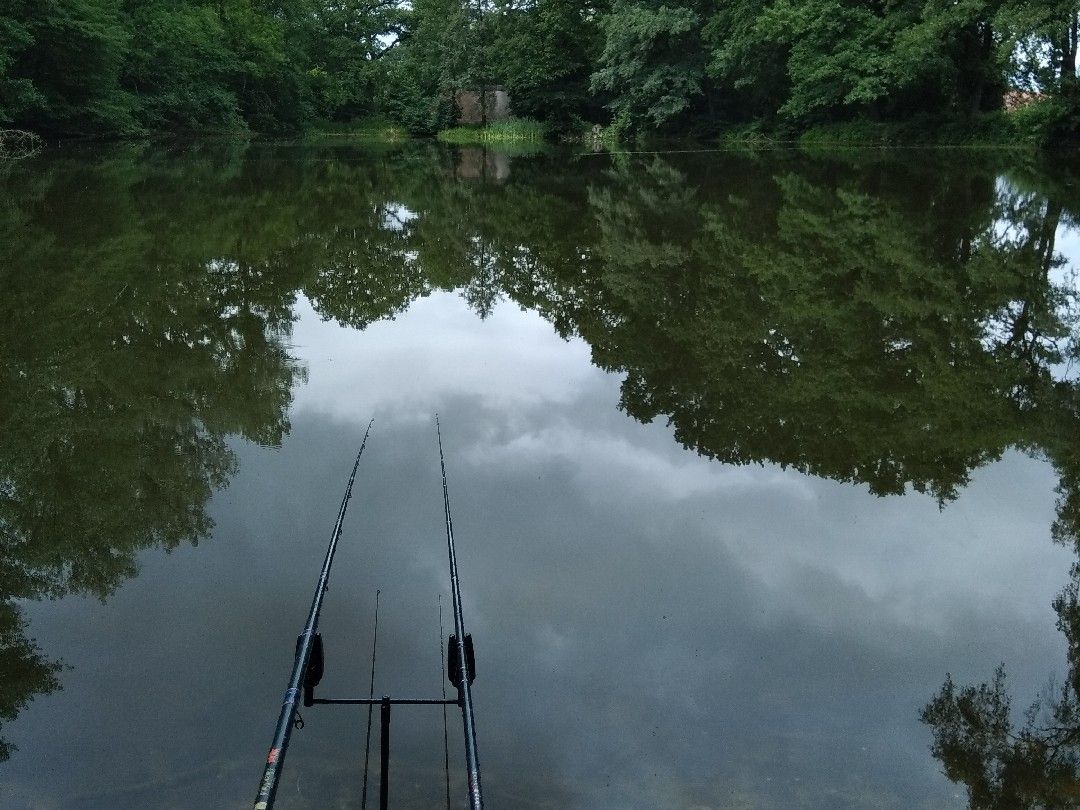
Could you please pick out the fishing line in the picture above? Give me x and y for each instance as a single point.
(445, 733)
(371, 695)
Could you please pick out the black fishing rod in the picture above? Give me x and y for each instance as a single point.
(308, 641)
(463, 660)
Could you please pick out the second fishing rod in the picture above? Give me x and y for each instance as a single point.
(464, 653)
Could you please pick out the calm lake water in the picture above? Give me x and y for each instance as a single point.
(747, 453)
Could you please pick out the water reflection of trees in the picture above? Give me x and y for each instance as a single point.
(830, 320)
(894, 325)
(137, 335)
(854, 339)
(897, 332)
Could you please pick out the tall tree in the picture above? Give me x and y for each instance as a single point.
(543, 53)
(180, 70)
(64, 60)
(652, 65)
(430, 66)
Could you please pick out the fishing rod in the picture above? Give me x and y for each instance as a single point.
(463, 661)
(308, 642)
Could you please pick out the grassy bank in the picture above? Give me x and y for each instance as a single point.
(1033, 126)
(514, 130)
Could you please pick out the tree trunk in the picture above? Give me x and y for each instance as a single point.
(1068, 54)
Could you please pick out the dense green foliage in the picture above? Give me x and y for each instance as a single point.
(650, 66)
(116, 66)
(666, 66)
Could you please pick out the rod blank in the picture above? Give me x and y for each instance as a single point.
(476, 799)
(275, 759)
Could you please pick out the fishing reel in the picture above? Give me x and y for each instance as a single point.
(316, 667)
(454, 663)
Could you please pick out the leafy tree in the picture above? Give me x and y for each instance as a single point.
(950, 57)
(180, 67)
(543, 52)
(64, 60)
(750, 70)
(430, 65)
(841, 58)
(346, 44)
(266, 37)
(837, 52)
(652, 64)
(1040, 43)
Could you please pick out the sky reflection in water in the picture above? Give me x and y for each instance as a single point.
(654, 627)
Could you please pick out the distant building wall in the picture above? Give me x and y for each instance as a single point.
(477, 163)
(497, 102)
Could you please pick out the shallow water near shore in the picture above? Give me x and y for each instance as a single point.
(747, 452)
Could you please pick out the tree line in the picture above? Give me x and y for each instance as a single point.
(673, 67)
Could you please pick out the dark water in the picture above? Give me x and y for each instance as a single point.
(747, 452)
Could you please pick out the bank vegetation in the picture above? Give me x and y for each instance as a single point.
(841, 70)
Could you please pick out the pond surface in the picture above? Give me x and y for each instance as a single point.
(747, 453)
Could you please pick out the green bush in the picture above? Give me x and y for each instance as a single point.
(752, 135)
(1043, 122)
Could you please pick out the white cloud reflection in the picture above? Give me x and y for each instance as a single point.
(437, 349)
(545, 406)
